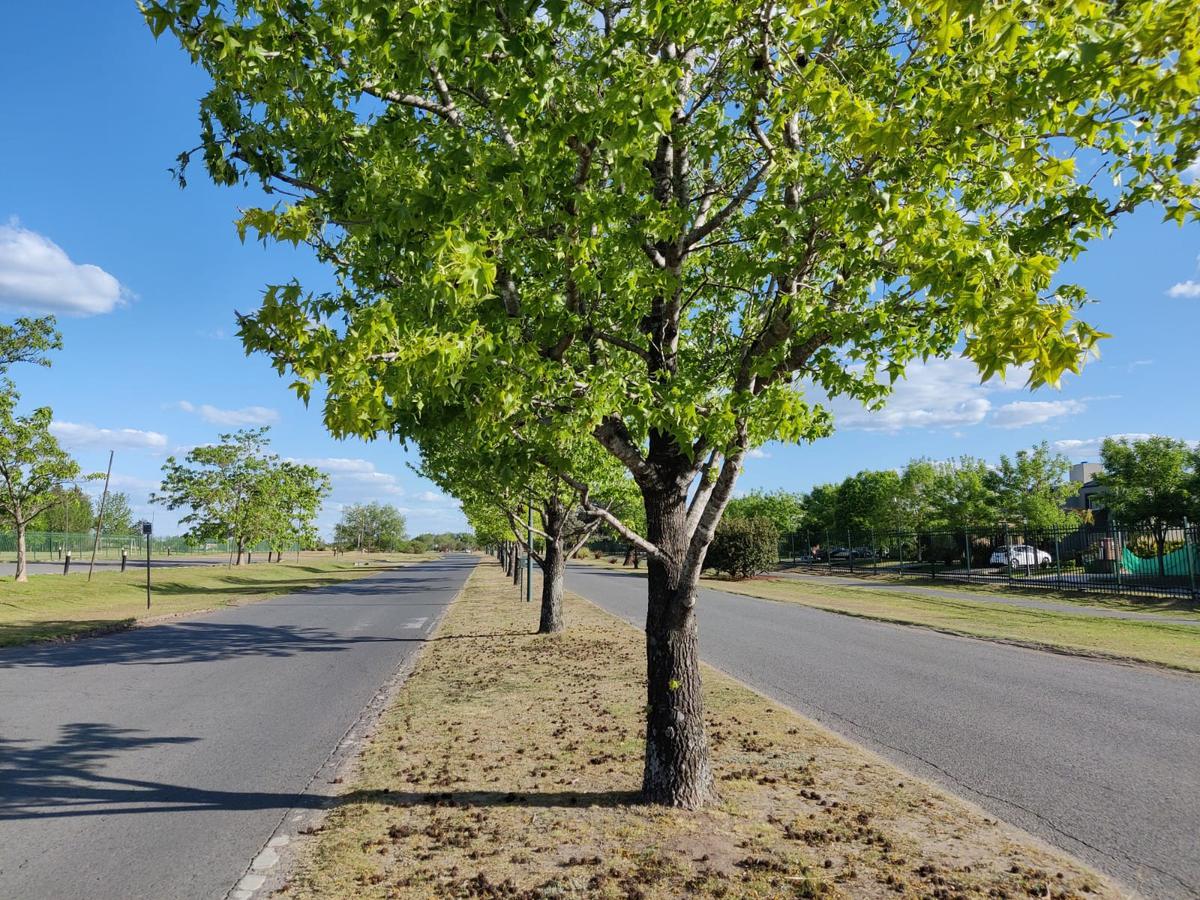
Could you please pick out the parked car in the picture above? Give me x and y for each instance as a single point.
(1021, 555)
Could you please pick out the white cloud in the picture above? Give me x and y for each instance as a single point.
(37, 275)
(758, 453)
(72, 434)
(352, 473)
(1192, 172)
(942, 393)
(1089, 448)
(1020, 413)
(432, 497)
(1189, 289)
(247, 415)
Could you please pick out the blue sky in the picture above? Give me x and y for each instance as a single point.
(147, 278)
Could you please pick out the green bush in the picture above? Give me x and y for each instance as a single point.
(744, 547)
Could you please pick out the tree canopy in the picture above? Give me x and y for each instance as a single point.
(655, 223)
(33, 467)
(370, 526)
(236, 490)
(28, 340)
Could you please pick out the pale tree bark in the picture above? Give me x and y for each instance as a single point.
(22, 573)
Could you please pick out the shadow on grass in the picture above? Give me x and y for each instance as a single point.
(66, 779)
(58, 630)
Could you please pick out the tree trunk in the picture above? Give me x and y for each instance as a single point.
(553, 564)
(240, 548)
(677, 771)
(22, 574)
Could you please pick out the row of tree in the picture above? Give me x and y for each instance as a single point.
(1153, 481)
(639, 232)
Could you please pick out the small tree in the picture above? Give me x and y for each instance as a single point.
(784, 508)
(295, 503)
(370, 526)
(1031, 488)
(744, 547)
(231, 488)
(32, 466)
(1147, 482)
(118, 514)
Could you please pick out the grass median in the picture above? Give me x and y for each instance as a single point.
(1169, 644)
(507, 764)
(62, 607)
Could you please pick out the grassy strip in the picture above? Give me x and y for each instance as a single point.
(507, 765)
(1168, 644)
(1175, 607)
(56, 607)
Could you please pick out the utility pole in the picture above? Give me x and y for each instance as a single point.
(100, 518)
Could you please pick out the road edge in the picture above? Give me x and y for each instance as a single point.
(275, 860)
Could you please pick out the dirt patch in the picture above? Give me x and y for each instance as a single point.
(508, 766)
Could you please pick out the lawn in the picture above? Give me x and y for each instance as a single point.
(56, 607)
(508, 764)
(1163, 643)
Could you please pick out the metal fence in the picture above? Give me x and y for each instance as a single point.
(1139, 560)
(52, 546)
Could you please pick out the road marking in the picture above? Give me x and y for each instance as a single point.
(415, 623)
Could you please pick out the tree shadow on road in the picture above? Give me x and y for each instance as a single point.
(173, 643)
(66, 779)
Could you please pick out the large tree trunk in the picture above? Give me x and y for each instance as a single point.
(677, 770)
(22, 574)
(240, 549)
(553, 564)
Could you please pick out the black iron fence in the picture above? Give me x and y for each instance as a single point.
(1140, 560)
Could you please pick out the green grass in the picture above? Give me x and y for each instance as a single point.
(54, 607)
(1161, 643)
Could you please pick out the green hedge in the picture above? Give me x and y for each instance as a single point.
(744, 547)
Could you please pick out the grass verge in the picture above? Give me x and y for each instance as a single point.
(57, 607)
(507, 764)
(1168, 644)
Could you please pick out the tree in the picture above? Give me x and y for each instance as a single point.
(32, 466)
(783, 508)
(236, 490)
(1031, 488)
(1147, 482)
(868, 501)
(961, 494)
(370, 526)
(656, 223)
(28, 340)
(118, 514)
(71, 511)
(502, 475)
(295, 503)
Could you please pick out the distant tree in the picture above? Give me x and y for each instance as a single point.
(370, 526)
(28, 340)
(868, 501)
(295, 503)
(915, 501)
(1031, 487)
(71, 511)
(1147, 482)
(118, 514)
(784, 508)
(234, 489)
(961, 493)
(32, 465)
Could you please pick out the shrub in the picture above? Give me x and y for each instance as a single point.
(744, 547)
(583, 553)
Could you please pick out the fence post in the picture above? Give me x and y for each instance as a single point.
(124, 558)
(874, 553)
(932, 562)
(1114, 534)
(67, 563)
(967, 551)
(1057, 560)
(1191, 562)
(828, 552)
(793, 539)
(901, 549)
(1008, 552)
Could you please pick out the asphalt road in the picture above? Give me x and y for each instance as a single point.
(157, 762)
(1100, 759)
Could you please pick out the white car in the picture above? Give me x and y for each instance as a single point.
(1021, 555)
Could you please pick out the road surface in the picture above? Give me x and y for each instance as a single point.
(1100, 759)
(157, 762)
